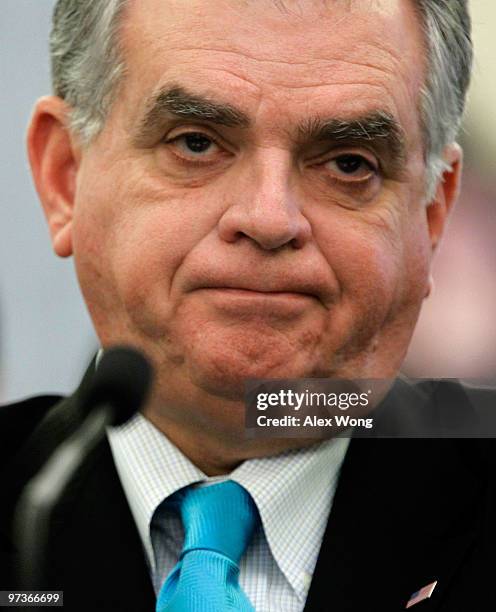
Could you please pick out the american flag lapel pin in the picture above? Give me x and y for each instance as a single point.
(424, 593)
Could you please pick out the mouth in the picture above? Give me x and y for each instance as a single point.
(261, 290)
(240, 301)
(259, 285)
(259, 293)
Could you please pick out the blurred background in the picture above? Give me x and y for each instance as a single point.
(456, 333)
(46, 339)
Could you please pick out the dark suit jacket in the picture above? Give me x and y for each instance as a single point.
(406, 512)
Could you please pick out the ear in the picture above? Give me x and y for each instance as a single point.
(447, 192)
(54, 163)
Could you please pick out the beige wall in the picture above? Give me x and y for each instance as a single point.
(481, 115)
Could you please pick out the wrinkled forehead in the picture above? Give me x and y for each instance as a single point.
(336, 52)
(279, 31)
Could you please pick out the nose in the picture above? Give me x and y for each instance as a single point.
(263, 205)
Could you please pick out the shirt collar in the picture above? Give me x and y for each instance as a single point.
(293, 491)
(151, 469)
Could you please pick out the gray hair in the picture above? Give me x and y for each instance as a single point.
(87, 61)
(88, 65)
(447, 30)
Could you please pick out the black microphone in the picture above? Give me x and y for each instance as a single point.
(118, 389)
(121, 381)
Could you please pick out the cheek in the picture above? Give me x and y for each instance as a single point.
(365, 257)
(381, 264)
(128, 244)
(369, 279)
(147, 251)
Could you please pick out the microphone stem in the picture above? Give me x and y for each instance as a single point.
(43, 492)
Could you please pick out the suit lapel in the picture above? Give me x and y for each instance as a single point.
(97, 548)
(404, 515)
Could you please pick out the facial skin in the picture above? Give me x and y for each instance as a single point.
(258, 248)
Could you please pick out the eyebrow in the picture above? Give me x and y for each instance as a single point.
(377, 129)
(177, 102)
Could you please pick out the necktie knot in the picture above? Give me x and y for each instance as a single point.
(219, 521)
(219, 517)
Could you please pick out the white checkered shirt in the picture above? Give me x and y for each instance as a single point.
(293, 493)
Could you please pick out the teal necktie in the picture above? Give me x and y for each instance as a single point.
(219, 521)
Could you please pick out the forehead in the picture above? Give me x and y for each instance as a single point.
(340, 54)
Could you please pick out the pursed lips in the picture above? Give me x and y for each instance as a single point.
(259, 290)
(308, 279)
(256, 289)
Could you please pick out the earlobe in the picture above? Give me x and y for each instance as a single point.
(446, 193)
(62, 239)
(430, 287)
(54, 163)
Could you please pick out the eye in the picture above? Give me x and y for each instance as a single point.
(194, 145)
(351, 167)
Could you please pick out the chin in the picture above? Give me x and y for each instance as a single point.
(228, 386)
(223, 373)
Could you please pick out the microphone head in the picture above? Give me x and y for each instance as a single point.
(122, 379)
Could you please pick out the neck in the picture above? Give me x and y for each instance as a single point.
(217, 455)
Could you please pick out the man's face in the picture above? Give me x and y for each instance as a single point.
(254, 204)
